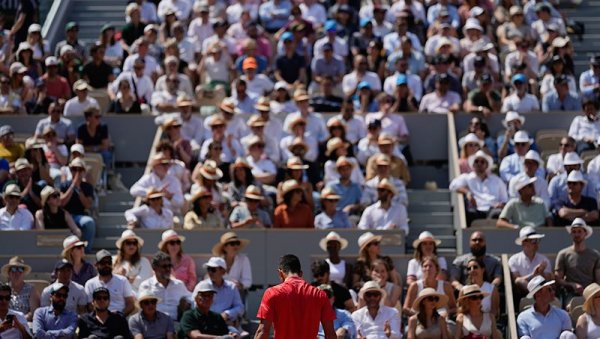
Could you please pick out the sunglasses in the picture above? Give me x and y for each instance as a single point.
(211, 269)
(374, 243)
(166, 266)
(234, 243)
(472, 268)
(521, 144)
(564, 145)
(105, 262)
(130, 243)
(476, 297)
(174, 242)
(101, 297)
(532, 241)
(480, 162)
(155, 199)
(148, 302)
(372, 295)
(52, 196)
(17, 269)
(432, 299)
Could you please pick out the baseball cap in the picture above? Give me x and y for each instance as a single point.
(62, 263)
(70, 25)
(287, 36)
(401, 79)
(330, 26)
(102, 254)
(519, 78)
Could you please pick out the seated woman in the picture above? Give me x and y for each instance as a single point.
(34, 153)
(380, 273)
(471, 320)
(129, 261)
(24, 297)
(126, 101)
(588, 324)
(369, 251)
(184, 267)
(425, 246)
(491, 300)
(241, 178)
(426, 321)
(469, 145)
(73, 251)
(293, 212)
(238, 270)
(207, 175)
(52, 215)
(340, 271)
(55, 152)
(249, 214)
(178, 167)
(263, 169)
(337, 148)
(202, 214)
(93, 135)
(295, 170)
(153, 214)
(182, 146)
(431, 269)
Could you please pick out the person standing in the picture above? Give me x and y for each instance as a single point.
(311, 306)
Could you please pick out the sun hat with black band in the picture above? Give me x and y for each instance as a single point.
(295, 163)
(471, 290)
(225, 239)
(290, 185)
(367, 238)
(71, 242)
(372, 286)
(147, 295)
(167, 236)
(129, 235)
(332, 236)
(430, 292)
(210, 170)
(537, 283)
(579, 222)
(528, 232)
(253, 193)
(15, 262)
(426, 236)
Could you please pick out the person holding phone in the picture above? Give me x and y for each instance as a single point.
(12, 323)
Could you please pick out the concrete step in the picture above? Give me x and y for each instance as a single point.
(428, 196)
(116, 206)
(436, 230)
(110, 231)
(116, 196)
(448, 241)
(111, 218)
(107, 243)
(435, 206)
(440, 218)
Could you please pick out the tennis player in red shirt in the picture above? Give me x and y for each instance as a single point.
(294, 308)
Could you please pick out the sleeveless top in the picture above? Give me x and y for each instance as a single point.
(485, 329)
(20, 302)
(337, 272)
(593, 329)
(432, 332)
(486, 303)
(55, 220)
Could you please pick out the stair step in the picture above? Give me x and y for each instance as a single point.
(107, 243)
(116, 196)
(448, 241)
(436, 230)
(435, 206)
(111, 218)
(445, 218)
(428, 196)
(116, 206)
(110, 231)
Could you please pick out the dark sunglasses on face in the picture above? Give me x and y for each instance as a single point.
(148, 302)
(101, 297)
(234, 243)
(372, 295)
(174, 242)
(17, 269)
(476, 297)
(432, 299)
(130, 243)
(472, 268)
(211, 269)
(61, 295)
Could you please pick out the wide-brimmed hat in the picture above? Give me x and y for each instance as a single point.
(528, 232)
(172, 122)
(425, 236)
(471, 290)
(372, 286)
(241, 163)
(227, 105)
(333, 144)
(367, 238)
(522, 136)
(224, 240)
(298, 142)
(12, 189)
(159, 158)
(571, 158)
(301, 95)
(184, 101)
(70, 242)
(522, 181)
(199, 193)
(344, 161)
(22, 163)
(128, 235)
(470, 138)
(147, 295)
(578, 222)
(385, 139)
(589, 293)
(385, 183)
(256, 121)
(15, 262)
(77, 163)
(167, 236)
(46, 193)
(576, 176)
(263, 104)
(254, 193)
(210, 170)
(329, 193)
(295, 121)
(430, 292)
(537, 283)
(534, 155)
(481, 154)
(510, 116)
(154, 192)
(472, 23)
(81, 85)
(295, 163)
(217, 121)
(336, 122)
(254, 140)
(290, 185)
(383, 160)
(332, 236)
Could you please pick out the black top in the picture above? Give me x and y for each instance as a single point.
(115, 107)
(130, 32)
(586, 203)
(289, 68)
(340, 293)
(92, 140)
(328, 104)
(211, 323)
(115, 325)
(97, 74)
(74, 206)
(55, 220)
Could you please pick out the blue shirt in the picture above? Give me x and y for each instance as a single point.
(588, 77)
(536, 325)
(512, 165)
(434, 11)
(510, 149)
(551, 102)
(227, 300)
(558, 190)
(47, 325)
(350, 194)
(339, 220)
(269, 9)
(342, 319)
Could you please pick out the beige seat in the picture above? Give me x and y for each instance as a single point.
(94, 164)
(39, 285)
(575, 314)
(576, 301)
(483, 223)
(102, 97)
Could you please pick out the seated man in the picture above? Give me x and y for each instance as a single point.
(513, 122)
(560, 99)
(528, 263)
(343, 299)
(576, 205)
(175, 297)
(531, 162)
(102, 323)
(585, 128)
(16, 327)
(526, 210)
(557, 188)
(375, 319)
(9, 149)
(512, 164)
(150, 323)
(383, 171)
(78, 300)
(201, 321)
(343, 324)
(493, 266)
(543, 320)
(330, 216)
(13, 217)
(384, 214)
(554, 164)
(55, 321)
(485, 192)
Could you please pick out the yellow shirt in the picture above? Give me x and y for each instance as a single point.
(12, 153)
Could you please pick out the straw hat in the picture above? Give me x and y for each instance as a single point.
(227, 105)
(184, 101)
(256, 121)
(367, 238)
(12, 189)
(336, 122)
(471, 290)
(588, 293)
(426, 236)
(385, 183)
(241, 163)
(295, 163)
(578, 222)
(481, 154)
(333, 144)
(537, 283)
(430, 292)
(225, 239)
(510, 116)
(147, 295)
(301, 95)
(217, 121)
(159, 158)
(154, 192)
(33, 142)
(298, 141)
(15, 262)
(383, 160)
(128, 235)
(200, 192)
(344, 161)
(385, 139)
(171, 122)
(81, 85)
(370, 286)
(254, 193)
(329, 193)
(169, 235)
(295, 121)
(332, 236)
(527, 232)
(22, 163)
(77, 163)
(254, 140)
(263, 104)
(210, 170)
(70, 242)
(290, 185)
(46, 193)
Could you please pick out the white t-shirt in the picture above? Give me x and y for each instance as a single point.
(414, 267)
(75, 108)
(118, 287)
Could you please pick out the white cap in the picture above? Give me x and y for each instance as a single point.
(34, 28)
(78, 148)
(216, 262)
(472, 23)
(476, 11)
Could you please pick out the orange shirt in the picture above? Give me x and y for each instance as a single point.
(301, 217)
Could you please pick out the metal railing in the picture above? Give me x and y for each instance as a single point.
(457, 199)
(511, 330)
(148, 169)
(53, 26)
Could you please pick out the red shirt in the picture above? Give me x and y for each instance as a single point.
(296, 309)
(301, 217)
(59, 87)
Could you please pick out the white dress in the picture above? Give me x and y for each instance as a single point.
(240, 271)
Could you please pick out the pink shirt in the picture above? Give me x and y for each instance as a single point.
(185, 271)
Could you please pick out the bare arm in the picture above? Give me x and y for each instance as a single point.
(503, 223)
(264, 329)
(581, 327)
(495, 302)
(72, 225)
(129, 306)
(39, 220)
(411, 295)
